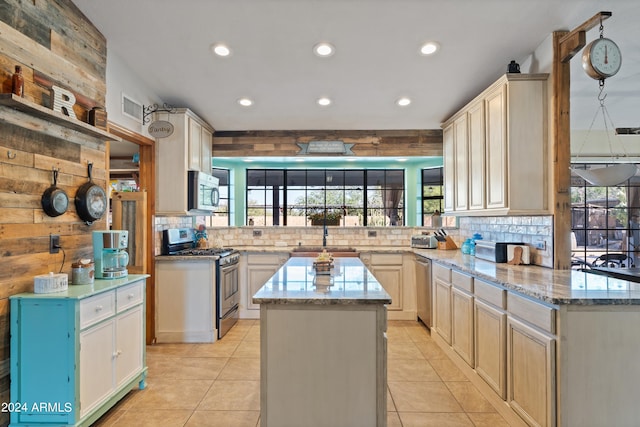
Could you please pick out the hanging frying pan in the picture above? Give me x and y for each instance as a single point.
(91, 200)
(54, 200)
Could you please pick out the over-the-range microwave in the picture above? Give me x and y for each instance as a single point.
(203, 194)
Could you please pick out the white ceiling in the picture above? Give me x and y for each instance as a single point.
(167, 42)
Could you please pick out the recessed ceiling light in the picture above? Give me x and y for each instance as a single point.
(403, 102)
(324, 49)
(324, 101)
(245, 102)
(429, 48)
(221, 49)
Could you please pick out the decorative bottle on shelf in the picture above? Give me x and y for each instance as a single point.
(17, 83)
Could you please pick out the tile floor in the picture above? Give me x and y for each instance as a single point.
(218, 385)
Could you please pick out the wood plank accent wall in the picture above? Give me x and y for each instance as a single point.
(367, 143)
(55, 44)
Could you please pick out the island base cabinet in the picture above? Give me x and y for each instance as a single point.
(531, 374)
(323, 365)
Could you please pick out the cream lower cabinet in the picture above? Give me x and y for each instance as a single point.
(531, 360)
(505, 340)
(490, 330)
(442, 301)
(388, 268)
(531, 373)
(258, 268)
(462, 337)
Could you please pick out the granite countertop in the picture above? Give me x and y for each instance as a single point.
(296, 282)
(558, 287)
(84, 291)
(289, 249)
(190, 258)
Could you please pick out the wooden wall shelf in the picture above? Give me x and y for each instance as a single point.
(31, 108)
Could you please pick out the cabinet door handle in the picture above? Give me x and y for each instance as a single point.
(117, 353)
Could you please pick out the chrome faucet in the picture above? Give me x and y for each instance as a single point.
(325, 233)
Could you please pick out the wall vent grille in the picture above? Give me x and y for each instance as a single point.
(131, 108)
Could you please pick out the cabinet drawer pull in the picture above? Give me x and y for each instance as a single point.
(130, 296)
(99, 308)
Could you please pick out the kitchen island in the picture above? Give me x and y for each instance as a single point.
(559, 347)
(323, 346)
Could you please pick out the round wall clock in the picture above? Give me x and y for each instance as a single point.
(601, 58)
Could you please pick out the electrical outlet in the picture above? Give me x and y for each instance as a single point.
(54, 243)
(257, 233)
(541, 245)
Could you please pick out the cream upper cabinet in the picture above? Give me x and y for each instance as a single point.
(206, 149)
(187, 148)
(461, 152)
(194, 144)
(476, 142)
(500, 138)
(199, 146)
(449, 167)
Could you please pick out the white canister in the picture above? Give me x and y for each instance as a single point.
(83, 272)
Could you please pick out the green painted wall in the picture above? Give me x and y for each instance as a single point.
(411, 165)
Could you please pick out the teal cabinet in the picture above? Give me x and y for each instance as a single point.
(75, 353)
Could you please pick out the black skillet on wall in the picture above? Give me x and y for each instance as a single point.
(54, 200)
(91, 200)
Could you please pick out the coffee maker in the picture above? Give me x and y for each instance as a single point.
(110, 253)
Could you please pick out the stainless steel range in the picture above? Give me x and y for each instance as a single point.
(181, 242)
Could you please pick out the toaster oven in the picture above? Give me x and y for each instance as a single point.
(424, 241)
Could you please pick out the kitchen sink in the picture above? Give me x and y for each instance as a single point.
(313, 251)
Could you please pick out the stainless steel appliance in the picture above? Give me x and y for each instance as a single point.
(182, 241)
(423, 283)
(493, 251)
(110, 253)
(203, 195)
(424, 241)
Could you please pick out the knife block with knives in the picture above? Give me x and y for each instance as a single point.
(444, 242)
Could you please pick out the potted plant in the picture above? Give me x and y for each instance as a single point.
(318, 218)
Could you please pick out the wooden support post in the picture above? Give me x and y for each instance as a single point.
(561, 143)
(565, 45)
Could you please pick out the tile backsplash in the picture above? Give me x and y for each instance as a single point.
(312, 236)
(532, 230)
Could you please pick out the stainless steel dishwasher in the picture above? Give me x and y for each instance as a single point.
(423, 285)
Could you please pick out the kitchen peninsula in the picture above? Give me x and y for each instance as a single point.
(560, 347)
(323, 346)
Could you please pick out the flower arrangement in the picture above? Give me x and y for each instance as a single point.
(333, 218)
